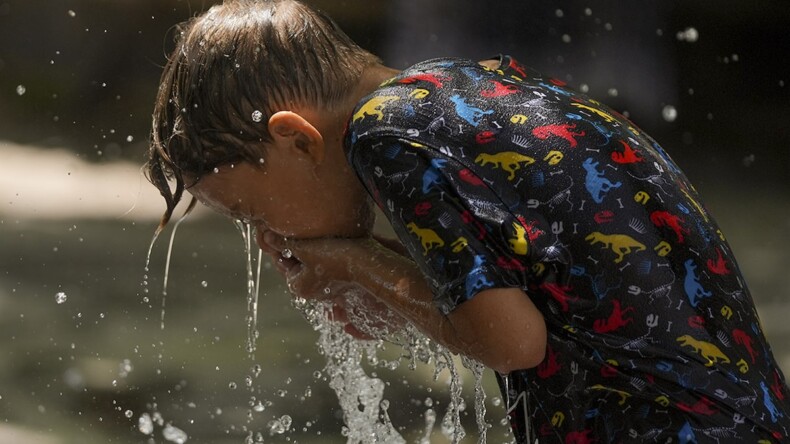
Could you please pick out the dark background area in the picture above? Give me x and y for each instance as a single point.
(82, 75)
(90, 67)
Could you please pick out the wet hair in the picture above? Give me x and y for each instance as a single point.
(231, 69)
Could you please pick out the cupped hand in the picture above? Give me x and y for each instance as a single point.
(323, 269)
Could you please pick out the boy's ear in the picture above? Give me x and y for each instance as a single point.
(291, 131)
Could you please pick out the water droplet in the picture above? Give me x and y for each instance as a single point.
(174, 434)
(232, 386)
(145, 424)
(559, 13)
(566, 38)
(72, 13)
(130, 138)
(216, 170)
(689, 34)
(204, 284)
(669, 113)
(128, 413)
(20, 89)
(287, 253)
(612, 92)
(60, 297)
(259, 407)
(257, 116)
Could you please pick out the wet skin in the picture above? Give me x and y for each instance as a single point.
(304, 197)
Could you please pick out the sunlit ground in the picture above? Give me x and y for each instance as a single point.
(85, 369)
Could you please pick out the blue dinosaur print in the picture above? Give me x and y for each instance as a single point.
(476, 280)
(556, 89)
(686, 434)
(467, 112)
(692, 286)
(595, 181)
(769, 403)
(432, 177)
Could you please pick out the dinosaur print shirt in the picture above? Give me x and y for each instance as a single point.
(505, 178)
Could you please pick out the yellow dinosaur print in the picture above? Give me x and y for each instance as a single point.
(509, 161)
(607, 117)
(518, 243)
(459, 244)
(696, 204)
(705, 349)
(620, 244)
(623, 395)
(374, 107)
(428, 238)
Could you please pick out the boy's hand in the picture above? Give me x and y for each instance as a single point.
(323, 269)
(500, 327)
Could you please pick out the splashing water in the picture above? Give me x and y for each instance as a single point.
(145, 424)
(174, 434)
(360, 396)
(253, 286)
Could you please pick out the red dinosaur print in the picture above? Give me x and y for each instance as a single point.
(627, 156)
(422, 208)
(743, 338)
(776, 387)
(485, 137)
(560, 293)
(696, 322)
(719, 266)
(510, 263)
(615, 320)
(557, 82)
(564, 131)
(703, 407)
(532, 231)
(469, 177)
(667, 219)
(603, 217)
(582, 437)
(468, 218)
(430, 78)
(518, 68)
(549, 366)
(499, 90)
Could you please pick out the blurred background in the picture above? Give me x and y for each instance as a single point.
(82, 351)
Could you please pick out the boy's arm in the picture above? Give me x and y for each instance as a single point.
(499, 327)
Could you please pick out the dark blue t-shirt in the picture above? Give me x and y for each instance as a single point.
(505, 178)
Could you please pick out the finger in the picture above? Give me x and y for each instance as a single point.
(259, 239)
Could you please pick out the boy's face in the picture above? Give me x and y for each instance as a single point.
(283, 197)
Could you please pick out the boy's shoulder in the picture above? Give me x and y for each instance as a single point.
(430, 86)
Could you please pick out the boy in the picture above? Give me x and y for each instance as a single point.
(542, 233)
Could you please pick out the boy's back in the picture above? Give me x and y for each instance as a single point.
(507, 179)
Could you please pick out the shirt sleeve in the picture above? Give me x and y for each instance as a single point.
(456, 229)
